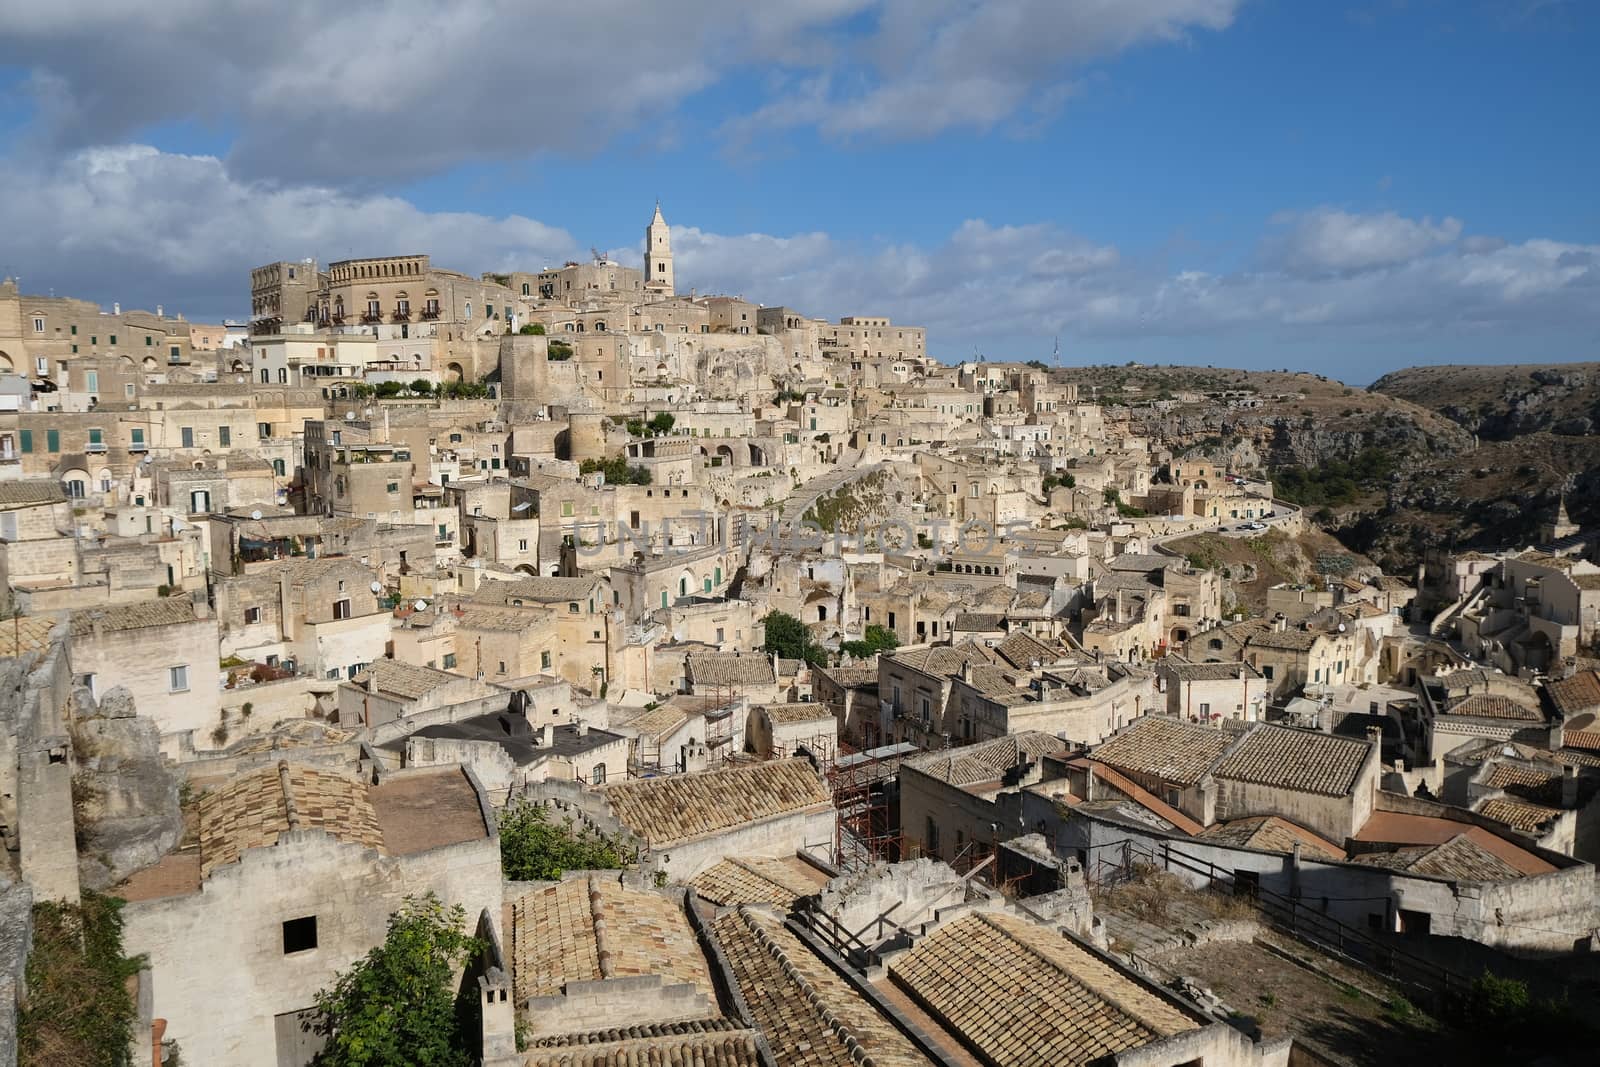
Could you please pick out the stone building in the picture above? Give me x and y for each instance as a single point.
(293, 879)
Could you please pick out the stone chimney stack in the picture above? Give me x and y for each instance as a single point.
(547, 735)
(1569, 787)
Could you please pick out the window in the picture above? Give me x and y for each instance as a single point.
(544, 661)
(263, 430)
(1266, 672)
(299, 935)
(52, 440)
(341, 608)
(932, 832)
(178, 679)
(188, 436)
(26, 440)
(522, 544)
(149, 339)
(927, 713)
(96, 437)
(598, 776)
(572, 609)
(566, 508)
(1205, 710)
(252, 616)
(449, 661)
(392, 487)
(91, 381)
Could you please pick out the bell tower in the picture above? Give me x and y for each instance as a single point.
(658, 255)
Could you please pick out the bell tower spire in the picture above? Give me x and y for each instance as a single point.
(658, 255)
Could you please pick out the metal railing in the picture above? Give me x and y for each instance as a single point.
(1291, 916)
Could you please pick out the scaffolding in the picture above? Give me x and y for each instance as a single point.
(866, 800)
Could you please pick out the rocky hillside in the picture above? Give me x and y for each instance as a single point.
(1499, 403)
(1429, 457)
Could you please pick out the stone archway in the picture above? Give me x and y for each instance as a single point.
(453, 372)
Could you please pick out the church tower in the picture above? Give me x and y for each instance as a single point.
(658, 255)
(1562, 526)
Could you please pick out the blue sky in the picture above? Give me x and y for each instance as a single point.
(1264, 183)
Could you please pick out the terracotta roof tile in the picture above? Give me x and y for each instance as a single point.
(1485, 706)
(681, 807)
(1165, 748)
(1270, 833)
(1302, 760)
(146, 614)
(1518, 814)
(986, 760)
(255, 810)
(809, 1015)
(1030, 997)
(755, 880)
(1458, 858)
(1575, 695)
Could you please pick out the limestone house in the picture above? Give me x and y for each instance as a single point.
(1319, 781)
(915, 686)
(505, 751)
(1206, 692)
(776, 731)
(673, 736)
(752, 675)
(850, 693)
(391, 689)
(687, 823)
(259, 914)
(36, 543)
(952, 803)
(162, 651)
(1080, 702)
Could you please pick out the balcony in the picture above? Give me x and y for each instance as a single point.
(429, 314)
(95, 446)
(371, 317)
(401, 315)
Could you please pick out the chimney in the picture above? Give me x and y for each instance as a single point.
(583, 727)
(1279, 622)
(116, 309)
(547, 735)
(1569, 786)
(1375, 736)
(159, 313)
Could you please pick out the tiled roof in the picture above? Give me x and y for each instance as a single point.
(977, 620)
(1460, 857)
(854, 676)
(1518, 813)
(1030, 997)
(1540, 782)
(1292, 639)
(1021, 650)
(543, 590)
(756, 880)
(507, 620)
(943, 660)
(681, 807)
(1164, 748)
(410, 680)
(1484, 706)
(809, 1015)
(1271, 833)
(730, 668)
(658, 722)
(1575, 695)
(791, 713)
(1301, 760)
(30, 492)
(167, 611)
(253, 811)
(586, 929)
(702, 1043)
(21, 634)
(1209, 672)
(987, 760)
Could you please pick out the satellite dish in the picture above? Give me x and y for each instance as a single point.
(377, 587)
(349, 416)
(1341, 627)
(421, 605)
(256, 514)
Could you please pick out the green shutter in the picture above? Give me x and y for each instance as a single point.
(52, 440)
(27, 440)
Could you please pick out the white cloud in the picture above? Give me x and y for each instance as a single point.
(1330, 241)
(364, 92)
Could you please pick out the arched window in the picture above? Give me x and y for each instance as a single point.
(525, 293)
(283, 375)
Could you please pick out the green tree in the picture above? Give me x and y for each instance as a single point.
(387, 390)
(79, 1009)
(396, 1006)
(877, 639)
(616, 470)
(788, 637)
(421, 387)
(533, 849)
(532, 329)
(661, 423)
(559, 351)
